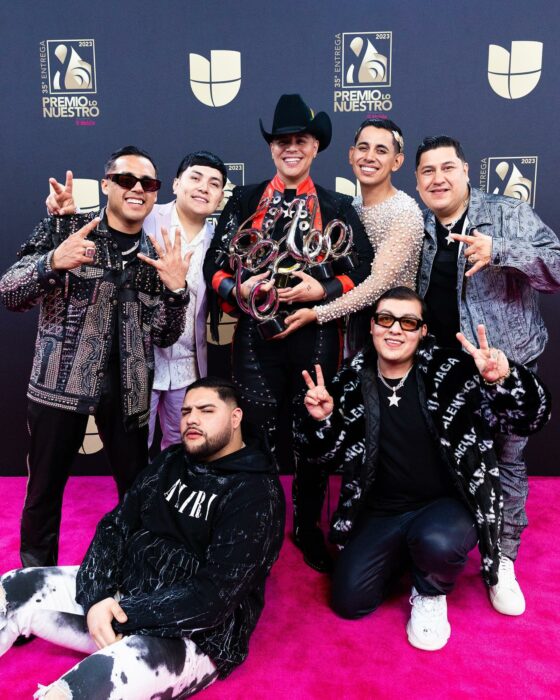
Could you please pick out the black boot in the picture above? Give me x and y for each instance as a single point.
(315, 552)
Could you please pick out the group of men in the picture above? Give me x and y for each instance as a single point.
(428, 433)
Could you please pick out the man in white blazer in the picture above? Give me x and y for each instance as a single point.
(198, 187)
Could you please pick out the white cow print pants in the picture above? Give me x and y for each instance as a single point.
(41, 601)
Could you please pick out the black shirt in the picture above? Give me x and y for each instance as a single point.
(410, 470)
(128, 244)
(441, 296)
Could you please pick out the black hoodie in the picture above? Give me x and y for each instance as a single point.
(189, 550)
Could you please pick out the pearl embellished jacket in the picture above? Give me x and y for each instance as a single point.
(79, 312)
(395, 229)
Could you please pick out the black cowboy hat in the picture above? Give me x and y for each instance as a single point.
(293, 116)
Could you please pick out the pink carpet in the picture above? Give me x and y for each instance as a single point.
(301, 650)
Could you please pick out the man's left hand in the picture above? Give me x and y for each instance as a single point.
(477, 250)
(307, 290)
(492, 364)
(171, 266)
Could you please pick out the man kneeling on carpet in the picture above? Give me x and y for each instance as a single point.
(414, 425)
(172, 585)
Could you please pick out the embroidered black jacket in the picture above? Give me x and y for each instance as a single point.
(189, 550)
(461, 412)
(77, 318)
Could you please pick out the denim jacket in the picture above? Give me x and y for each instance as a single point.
(77, 319)
(504, 295)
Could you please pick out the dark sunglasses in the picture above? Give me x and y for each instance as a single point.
(407, 323)
(128, 181)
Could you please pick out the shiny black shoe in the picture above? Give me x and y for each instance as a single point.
(315, 552)
(21, 640)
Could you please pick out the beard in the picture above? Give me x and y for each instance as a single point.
(209, 445)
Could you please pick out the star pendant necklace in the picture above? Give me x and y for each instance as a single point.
(393, 399)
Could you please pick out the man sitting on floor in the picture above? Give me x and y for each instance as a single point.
(414, 426)
(172, 585)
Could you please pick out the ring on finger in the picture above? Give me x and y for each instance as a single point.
(89, 252)
(472, 259)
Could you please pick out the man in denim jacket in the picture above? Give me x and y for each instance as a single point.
(485, 258)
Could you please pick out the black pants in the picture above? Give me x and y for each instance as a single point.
(268, 375)
(433, 542)
(55, 438)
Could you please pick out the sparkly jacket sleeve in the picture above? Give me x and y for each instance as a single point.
(396, 261)
(325, 442)
(26, 281)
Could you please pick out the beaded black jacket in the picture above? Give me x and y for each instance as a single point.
(189, 551)
(461, 412)
(82, 309)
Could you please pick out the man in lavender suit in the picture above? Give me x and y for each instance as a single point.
(199, 187)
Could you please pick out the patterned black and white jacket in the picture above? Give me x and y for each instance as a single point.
(189, 550)
(77, 318)
(461, 412)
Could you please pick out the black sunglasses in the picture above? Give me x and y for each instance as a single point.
(407, 323)
(128, 181)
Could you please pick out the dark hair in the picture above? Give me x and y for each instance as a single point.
(225, 389)
(381, 123)
(127, 151)
(203, 158)
(432, 142)
(403, 294)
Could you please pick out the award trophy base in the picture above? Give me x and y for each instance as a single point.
(272, 326)
(321, 271)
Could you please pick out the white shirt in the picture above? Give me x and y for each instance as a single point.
(176, 366)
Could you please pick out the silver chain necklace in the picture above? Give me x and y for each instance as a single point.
(451, 224)
(393, 399)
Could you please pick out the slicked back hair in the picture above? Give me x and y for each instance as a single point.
(226, 390)
(127, 151)
(381, 123)
(432, 142)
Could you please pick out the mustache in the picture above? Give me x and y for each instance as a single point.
(193, 430)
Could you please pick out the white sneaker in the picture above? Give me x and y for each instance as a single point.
(428, 627)
(506, 596)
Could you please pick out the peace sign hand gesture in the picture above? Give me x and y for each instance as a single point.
(61, 199)
(318, 401)
(492, 364)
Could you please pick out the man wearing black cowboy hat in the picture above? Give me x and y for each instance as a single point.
(283, 272)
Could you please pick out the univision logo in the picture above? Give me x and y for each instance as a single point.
(215, 82)
(514, 74)
(345, 186)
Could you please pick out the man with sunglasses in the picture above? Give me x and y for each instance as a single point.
(414, 426)
(107, 294)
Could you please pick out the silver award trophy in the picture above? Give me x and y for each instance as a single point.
(252, 251)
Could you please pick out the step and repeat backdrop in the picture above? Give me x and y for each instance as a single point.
(80, 79)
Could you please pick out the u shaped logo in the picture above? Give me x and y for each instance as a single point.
(516, 73)
(215, 82)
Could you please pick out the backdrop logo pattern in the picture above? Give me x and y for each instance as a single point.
(516, 73)
(345, 186)
(512, 176)
(362, 71)
(68, 79)
(215, 82)
(236, 176)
